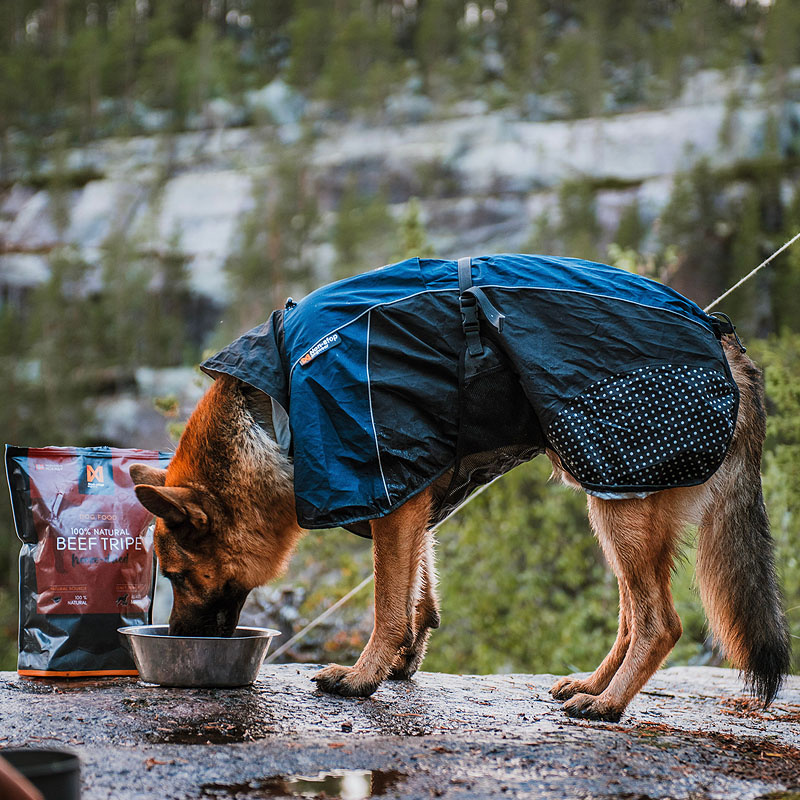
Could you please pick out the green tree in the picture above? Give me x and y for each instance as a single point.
(310, 33)
(578, 69)
(361, 47)
(522, 42)
(781, 47)
(364, 233)
(437, 37)
(690, 222)
(786, 274)
(578, 229)
(65, 342)
(414, 239)
(123, 52)
(780, 358)
(523, 583)
(84, 75)
(143, 306)
(630, 230)
(271, 255)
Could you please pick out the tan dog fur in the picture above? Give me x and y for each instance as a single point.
(227, 524)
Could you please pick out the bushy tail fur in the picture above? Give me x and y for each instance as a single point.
(735, 560)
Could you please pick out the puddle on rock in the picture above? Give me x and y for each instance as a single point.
(345, 784)
(204, 732)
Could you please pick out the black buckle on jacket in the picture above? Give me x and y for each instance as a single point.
(725, 326)
(470, 323)
(469, 298)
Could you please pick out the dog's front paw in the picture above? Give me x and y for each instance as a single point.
(565, 688)
(344, 681)
(587, 706)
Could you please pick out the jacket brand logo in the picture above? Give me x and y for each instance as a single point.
(320, 347)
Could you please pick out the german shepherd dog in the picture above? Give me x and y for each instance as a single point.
(227, 523)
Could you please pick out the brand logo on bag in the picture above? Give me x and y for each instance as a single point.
(320, 347)
(96, 476)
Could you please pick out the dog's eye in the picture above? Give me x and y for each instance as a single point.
(175, 578)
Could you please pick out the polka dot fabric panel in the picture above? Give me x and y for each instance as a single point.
(651, 428)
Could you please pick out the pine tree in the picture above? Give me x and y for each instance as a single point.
(630, 229)
(578, 229)
(437, 36)
(310, 33)
(414, 239)
(360, 45)
(522, 40)
(578, 70)
(689, 222)
(83, 76)
(781, 46)
(364, 233)
(271, 255)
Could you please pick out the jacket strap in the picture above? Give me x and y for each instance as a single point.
(722, 325)
(469, 307)
(470, 297)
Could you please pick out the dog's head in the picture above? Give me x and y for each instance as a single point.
(225, 511)
(197, 553)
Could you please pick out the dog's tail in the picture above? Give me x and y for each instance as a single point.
(735, 561)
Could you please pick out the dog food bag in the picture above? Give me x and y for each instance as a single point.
(86, 566)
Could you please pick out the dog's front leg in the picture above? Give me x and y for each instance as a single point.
(399, 542)
(425, 617)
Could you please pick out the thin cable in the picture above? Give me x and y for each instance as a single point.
(355, 590)
(750, 274)
(313, 624)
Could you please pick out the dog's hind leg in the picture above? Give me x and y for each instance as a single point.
(565, 688)
(640, 538)
(425, 614)
(399, 548)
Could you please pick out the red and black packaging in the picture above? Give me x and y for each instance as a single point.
(86, 566)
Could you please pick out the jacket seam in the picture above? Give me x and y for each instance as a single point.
(358, 317)
(499, 286)
(372, 415)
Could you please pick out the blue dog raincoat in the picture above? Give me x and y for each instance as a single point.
(448, 374)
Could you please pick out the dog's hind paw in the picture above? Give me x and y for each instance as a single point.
(565, 688)
(404, 668)
(344, 681)
(401, 673)
(587, 706)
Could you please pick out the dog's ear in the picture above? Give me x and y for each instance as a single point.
(176, 505)
(149, 476)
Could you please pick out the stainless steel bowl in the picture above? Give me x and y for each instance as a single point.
(197, 660)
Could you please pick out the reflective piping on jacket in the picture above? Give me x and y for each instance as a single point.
(620, 495)
(371, 415)
(708, 328)
(358, 316)
(498, 286)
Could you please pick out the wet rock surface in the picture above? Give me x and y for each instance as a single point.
(691, 733)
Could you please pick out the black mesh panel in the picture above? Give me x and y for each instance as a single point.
(498, 429)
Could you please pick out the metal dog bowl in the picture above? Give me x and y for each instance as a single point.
(197, 660)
